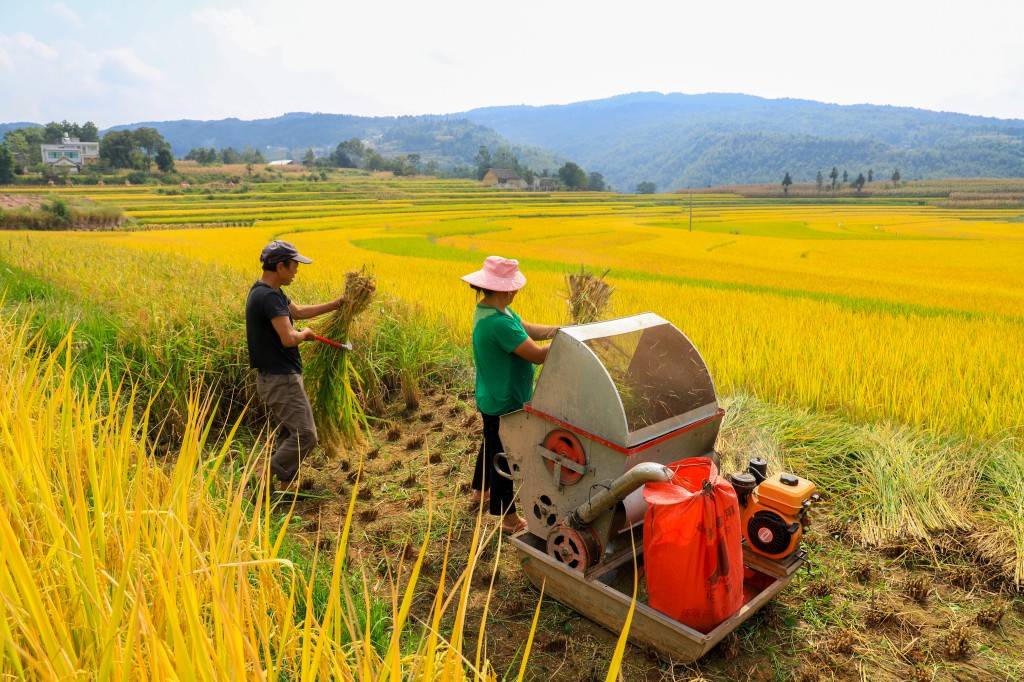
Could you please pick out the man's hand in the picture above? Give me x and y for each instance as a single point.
(338, 303)
(307, 334)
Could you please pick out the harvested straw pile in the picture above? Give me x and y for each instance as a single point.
(588, 296)
(334, 383)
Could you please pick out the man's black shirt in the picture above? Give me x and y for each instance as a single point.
(266, 352)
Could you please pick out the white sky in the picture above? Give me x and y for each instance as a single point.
(118, 61)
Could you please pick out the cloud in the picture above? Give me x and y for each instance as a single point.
(24, 44)
(121, 66)
(234, 26)
(6, 63)
(62, 11)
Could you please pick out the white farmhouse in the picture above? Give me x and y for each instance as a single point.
(70, 155)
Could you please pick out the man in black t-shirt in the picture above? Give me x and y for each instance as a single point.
(274, 353)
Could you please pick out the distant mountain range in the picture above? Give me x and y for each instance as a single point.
(697, 140)
(673, 140)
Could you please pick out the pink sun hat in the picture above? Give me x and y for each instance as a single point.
(498, 274)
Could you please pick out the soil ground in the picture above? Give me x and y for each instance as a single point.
(20, 201)
(892, 613)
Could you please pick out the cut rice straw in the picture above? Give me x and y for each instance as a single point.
(334, 383)
(588, 296)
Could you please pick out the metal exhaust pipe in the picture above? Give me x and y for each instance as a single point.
(645, 472)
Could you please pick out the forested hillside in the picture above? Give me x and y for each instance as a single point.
(448, 140)
(681, 140)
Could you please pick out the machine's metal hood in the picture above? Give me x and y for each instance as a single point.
(626, 381)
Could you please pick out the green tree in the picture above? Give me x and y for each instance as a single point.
(309, 159)
(6, 165)
(230, 155)
(354, 149)
(482, 161)
(858, 184)
(596, 183)
(896, 177)
(820, 181)
(833, 176)
(140, 160)
(340, 157)
(845, 177)
(149, 140)
(53, 132)
(23, 144)
(572, 176)
(871, 175)
(165, 159)
(646, 187)
(116, 148)
(89, 132)
(786, 182)
(253, 156)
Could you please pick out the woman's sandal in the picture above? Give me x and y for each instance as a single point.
(512, 530)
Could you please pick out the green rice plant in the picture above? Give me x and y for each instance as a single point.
(406, 349)
(334, 382)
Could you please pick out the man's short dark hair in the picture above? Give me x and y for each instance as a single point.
(272, 267)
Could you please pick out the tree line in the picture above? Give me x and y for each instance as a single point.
(137, 149)
(857, 184)
(570, 175)
(207, 156)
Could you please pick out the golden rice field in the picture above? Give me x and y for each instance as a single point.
(888, 312)
(873, 345)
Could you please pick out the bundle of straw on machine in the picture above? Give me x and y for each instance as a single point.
(619, 405)
(587, 296)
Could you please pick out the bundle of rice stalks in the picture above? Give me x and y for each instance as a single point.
(1000, 534)
(588, 296)
(334, 383)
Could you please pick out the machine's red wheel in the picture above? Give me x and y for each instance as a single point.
(567, 445)
(577, 549)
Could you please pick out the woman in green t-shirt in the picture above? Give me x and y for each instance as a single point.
(504, 352)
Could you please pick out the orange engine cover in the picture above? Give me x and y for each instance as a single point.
(775, 514)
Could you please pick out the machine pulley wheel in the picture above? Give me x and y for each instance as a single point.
(577, 549)
(566, 444)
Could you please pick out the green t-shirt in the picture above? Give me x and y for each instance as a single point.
(504, 381)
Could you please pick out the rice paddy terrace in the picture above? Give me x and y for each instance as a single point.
(873, 345)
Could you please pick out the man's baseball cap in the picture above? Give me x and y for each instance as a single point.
(279, 251)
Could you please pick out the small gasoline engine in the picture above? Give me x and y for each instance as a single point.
(773, 509)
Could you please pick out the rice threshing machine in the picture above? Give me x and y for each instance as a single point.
(615, 402)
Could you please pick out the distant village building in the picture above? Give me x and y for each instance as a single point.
(503, 178)
(546, 183)
(70, 155)
(282, 162)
